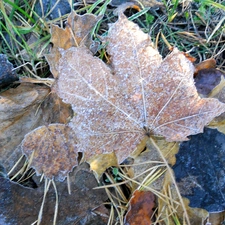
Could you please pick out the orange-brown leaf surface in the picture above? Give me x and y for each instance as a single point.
(141, 208)
(76, 33)
(206, 64)
(52, 150)
(115, 108)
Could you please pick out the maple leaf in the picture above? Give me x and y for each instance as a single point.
(145, 95)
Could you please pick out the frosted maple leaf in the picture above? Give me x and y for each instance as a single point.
(116, 107)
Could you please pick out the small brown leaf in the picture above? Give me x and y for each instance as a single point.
(76, 33)
(52, 150)
(141, 208)
(99, 163)
(206, 64)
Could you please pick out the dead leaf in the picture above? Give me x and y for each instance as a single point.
(219, 93)
(216, 218)
(20, 205)
(211, 83)
(140, 208)
(60, 111)
(145, 95)
(76, 33)
(169, 103)
(173, 208)
(51, 150)
(20, 112)
(99, 163)
(150, 160)
(7, 75)
(206, 64)
(196, 215)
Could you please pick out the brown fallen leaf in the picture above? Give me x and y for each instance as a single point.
(219, 93)
(20, 112)
(76, 33)
(51, 150)
(99, 163)
(206, 64)
(23, 109)
(150, 164)
(60, 111)
(144, 96)
(20, 205)
(140, 208)
(175, 208)
(211, 83)
(216, 218)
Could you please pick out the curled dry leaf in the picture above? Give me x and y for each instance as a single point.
(76, 33)
(141, 208)
(52, 150)
(204, 65)
(145, 95)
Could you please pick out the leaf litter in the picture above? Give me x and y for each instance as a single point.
(117, 105)
(138, 94)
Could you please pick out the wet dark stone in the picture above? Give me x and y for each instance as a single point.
(206, 80)
(62, 8)
(200, 170)
(7, 76)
